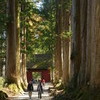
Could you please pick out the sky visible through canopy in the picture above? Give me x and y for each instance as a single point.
(38, 3)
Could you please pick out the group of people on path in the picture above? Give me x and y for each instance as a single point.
(30, 88)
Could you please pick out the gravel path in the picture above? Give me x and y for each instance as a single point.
(24, 95)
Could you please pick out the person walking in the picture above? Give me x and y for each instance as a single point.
(43, 82)
(40, 89)
(30, 89)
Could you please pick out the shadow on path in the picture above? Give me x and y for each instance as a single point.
(24, 95)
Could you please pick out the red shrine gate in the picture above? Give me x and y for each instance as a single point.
(45, 74)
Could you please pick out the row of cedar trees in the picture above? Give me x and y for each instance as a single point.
(77, 59)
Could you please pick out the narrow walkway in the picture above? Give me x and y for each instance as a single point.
(24, 95)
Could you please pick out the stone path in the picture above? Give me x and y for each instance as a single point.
(24, 95)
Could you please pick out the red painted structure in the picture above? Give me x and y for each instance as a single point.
(45, 74)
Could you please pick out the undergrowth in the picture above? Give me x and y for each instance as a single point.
(84, 93)
(2, 80)
(7, 88)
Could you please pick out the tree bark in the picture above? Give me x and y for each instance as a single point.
(13, 44)
(65, 42)
(95, 41)
(76, 42)
(86, 43)
(65, 62)
(23, 58)
(58, 63)
(23, 48)
(83, 30)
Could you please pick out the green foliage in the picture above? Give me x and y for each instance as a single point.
(59, 86)
(36, 75)
(2, 80)
(3, 28)
(13, 87)
(66, 34)
(3, 15)
(40, 30)
(67, 4)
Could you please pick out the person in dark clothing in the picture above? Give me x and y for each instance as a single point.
(33, 81)
(40, 90)
(30, 89)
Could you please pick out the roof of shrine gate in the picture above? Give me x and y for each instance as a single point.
(40, 61)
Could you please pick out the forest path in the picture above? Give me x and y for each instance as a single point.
(24, 95)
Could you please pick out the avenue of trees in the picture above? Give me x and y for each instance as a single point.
(67, 29)
(26, 30)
